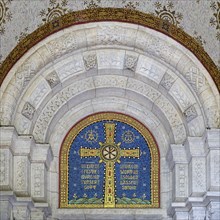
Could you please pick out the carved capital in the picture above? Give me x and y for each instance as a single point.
(42, 153)
(21, 212)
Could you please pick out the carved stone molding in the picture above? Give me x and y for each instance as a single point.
(167, 81)
(53, 79)
(90, 60)
(20, 175)
(190, 113)
(38, 183)
(130, 62)
(28, 111)
(100, 14)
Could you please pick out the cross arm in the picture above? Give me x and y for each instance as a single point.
(130, 153)
(89, 152)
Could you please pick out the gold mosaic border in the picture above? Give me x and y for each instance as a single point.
(155, 161)
(110, 14)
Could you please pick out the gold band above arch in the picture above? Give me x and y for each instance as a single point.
(110, 14)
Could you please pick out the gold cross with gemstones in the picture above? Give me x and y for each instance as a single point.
(109, 153)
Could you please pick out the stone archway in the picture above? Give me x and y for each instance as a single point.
(94, 67)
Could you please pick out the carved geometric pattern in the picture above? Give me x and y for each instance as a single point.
(182, 180)
(3, 164)
(20, 182)
(28, 110)
(38, 175)
(190, 113)
(199, 173)
(195, 78)
(130, 62)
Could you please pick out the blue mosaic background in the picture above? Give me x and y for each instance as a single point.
(75, 185)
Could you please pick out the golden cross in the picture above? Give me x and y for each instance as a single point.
(109, 153)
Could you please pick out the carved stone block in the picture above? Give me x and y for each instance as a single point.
(181, 180)
(190, 113)
(38, 186)
(62, 45)
(21, 167)
(53, 79)
(90, 60)
(197, 171)
(28, 110)
(5, 169)
(130, 62)
(167, 81)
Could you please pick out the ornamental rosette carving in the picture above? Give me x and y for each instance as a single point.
(130, 62)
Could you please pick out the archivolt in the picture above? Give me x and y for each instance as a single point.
(135, 63)
(110, 14)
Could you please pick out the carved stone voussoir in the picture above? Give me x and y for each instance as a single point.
(62, 45)
(90, 61)
(53, 79)
(190, 113)
(110, 35)
(130, 62)
(167, 81)
(28, 110)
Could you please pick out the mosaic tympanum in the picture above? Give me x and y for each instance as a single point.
(109, 160)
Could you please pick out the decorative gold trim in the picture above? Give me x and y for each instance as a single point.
(155, 182)
(110, 14)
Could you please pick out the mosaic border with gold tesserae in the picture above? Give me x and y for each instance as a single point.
(110, 14)
(154, 152)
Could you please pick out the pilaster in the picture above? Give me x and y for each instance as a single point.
(197, 165)
(7, 136)
(41, 157)
(178, 163)
(21, 166)
(213, 159)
